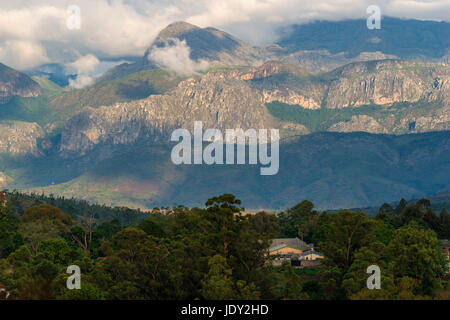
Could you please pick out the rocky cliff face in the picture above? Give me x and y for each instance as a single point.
(20, 138)
(290, 84)
(386, 82)
(379, 82)
(235, 98)
(14, 83)
(361, 123)
(431, 119)
(218, 99)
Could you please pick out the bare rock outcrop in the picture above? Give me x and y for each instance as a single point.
(14, 83)
(216, 99)
(360, 123)
(20, 138)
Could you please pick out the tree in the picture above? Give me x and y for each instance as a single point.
(265, 224)
(87, 292)
(355, 280)
(385, 213)
(417, 254)
(38, 231)
(288, 284)
(144, 262)
(383, 232)
(56, 250)
(82, 233)
(350, 232)
(401, 206)
(444, 221)
(48, 212)
(299, 220)
(10, 239)
(152, 227)
(218, 284)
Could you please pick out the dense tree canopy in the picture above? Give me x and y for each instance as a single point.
(217, 252)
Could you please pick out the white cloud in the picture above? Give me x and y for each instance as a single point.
(258, 20)
(109, 29)
(85, 64)
(176, 56)
(85, 68)
(22, 54)
(81, 81)
(121, 28)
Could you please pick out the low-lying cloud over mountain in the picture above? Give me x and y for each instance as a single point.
(176, 56)
(34, 32)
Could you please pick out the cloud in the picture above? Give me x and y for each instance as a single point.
(22, 53)
(85, 64)
(85, 68)
(258, 21)
(81, 81)
(109, 29)
(116, 29)
(176, 56)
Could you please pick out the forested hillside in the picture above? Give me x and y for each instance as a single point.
(216, 252)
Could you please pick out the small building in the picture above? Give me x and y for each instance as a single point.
(291, 242)
(291, 250)
(287, 247)
(311, 255)
(284, 250)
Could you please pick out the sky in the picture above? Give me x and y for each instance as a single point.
(37, 32)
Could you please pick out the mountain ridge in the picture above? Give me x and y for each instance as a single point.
(109, 140)
(334, 170)
(15, 83)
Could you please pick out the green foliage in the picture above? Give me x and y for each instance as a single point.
(87, 292)
(56, 250)
(218, 284)
(298, 221)
(288, 284)
(20, 202)
(417, 254)
(315, 120)
(10, 239)
(319, 120)
(351, 232)
(217, 252)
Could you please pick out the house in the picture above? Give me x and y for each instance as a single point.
(311, 255)
(293, 250)
(291, 242)
(284, 250)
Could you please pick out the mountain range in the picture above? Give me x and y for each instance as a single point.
(360, 124)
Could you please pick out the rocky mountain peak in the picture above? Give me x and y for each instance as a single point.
(15, 83)
(207, 44)
(175, 29)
